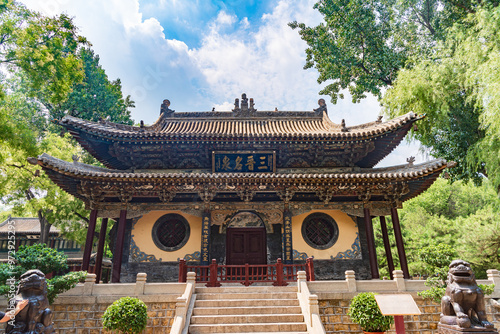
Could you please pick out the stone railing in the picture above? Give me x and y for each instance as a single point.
(183, 304)
(309, 305)
(350, 285)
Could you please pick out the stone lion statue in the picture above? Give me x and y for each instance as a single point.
(35, 316)
(463, 303)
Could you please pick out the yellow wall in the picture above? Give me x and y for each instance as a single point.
(347, 235)
(143, 238)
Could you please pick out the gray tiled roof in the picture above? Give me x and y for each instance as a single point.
(24, 225)
(395, 172)
(263, 124)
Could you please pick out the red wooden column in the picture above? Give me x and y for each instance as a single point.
(90, 240)
(370, 239)
(387, 245)
(399, 243)
(117, 256)
(100, 250)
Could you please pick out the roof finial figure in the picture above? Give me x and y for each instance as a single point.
(322, 107)
(165, 107)
(343, 127)
(410, 161)
(252, 104)
(244, 102)
(236, 104)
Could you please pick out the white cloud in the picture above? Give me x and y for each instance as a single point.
(224, 18)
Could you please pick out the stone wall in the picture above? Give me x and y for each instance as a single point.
(83, 315)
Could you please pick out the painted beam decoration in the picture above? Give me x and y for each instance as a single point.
(244, 162)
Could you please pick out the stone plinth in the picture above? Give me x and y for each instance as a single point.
(454, 329)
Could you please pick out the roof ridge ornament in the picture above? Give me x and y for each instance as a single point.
(343, 127)
(247, 106)
(164, 109)
(322, 107)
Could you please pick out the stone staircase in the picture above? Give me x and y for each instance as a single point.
(239, 309)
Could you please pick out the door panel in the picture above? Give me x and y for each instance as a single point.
(246, 245)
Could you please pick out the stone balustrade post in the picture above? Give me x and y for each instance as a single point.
(350, 277)
(313, 304)
(301, 277)
(400, 280)
(89, 284)
(140, 283)
(191, 278)
(494, 277)
(181, 307)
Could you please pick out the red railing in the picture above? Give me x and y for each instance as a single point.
(214, 274)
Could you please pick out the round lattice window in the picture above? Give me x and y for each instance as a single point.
(171, 232)
(320, 231)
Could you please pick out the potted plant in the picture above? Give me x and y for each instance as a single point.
(365, 312)
(127, 315)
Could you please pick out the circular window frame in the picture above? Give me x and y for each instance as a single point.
(163, 219)
(329, 220)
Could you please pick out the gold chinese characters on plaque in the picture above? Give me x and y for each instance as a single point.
(243, 162)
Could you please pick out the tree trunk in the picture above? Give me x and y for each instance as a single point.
(44, 228)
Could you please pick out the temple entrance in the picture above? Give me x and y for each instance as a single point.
(246, 245)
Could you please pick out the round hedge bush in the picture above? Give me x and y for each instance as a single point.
(127, 315)
(365, 312)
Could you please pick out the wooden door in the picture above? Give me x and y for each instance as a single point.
(246, 245)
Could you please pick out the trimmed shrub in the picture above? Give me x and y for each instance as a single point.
(127, 315)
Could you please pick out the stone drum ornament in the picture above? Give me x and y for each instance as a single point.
(35, 316)
(462, 307)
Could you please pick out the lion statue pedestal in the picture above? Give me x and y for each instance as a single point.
(462, 307)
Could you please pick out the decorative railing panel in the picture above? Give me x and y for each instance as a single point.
(214, 274)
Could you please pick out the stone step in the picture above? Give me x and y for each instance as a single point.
(246, 319)
(247, 295)
(229, 303)
(274, 309)
(242, 289)
(248, 328)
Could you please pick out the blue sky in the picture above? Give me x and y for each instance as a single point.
(202, 54)
(187, 20)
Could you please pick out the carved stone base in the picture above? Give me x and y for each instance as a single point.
(454, 329)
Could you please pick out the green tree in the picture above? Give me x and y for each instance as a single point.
(32, 193)
(95, 97)
(362, 45)
(459, 216)
(42, 47)
(431, 56)
(51, 74)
